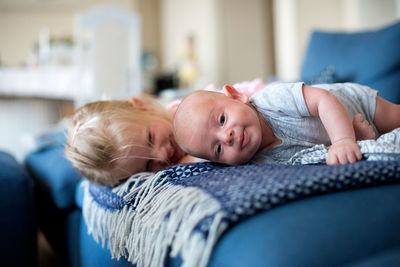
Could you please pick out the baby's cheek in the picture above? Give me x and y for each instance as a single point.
(238, 158)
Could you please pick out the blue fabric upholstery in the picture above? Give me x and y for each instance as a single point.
(387, 258)
(328, 230)
(55, 184)
(55, 173)
(89, 253)
(79, 195)
(93, 254)
(370, 58)
(18, 239)
(59, 198)
(82, 249)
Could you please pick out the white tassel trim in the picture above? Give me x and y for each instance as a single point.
(144, 235)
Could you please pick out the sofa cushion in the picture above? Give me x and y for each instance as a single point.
(370, 58)
(52, 171)
(354, 226)
(80, 191)
(387, 258)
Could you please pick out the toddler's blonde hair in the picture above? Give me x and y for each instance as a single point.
(97, 135)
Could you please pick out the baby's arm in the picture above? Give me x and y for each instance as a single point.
(337, 123)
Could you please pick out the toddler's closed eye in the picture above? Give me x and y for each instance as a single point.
(150, 139)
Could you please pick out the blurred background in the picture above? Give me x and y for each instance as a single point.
(56, 55)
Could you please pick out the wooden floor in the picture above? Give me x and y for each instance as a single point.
(46, 256)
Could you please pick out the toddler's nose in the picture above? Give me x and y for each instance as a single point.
(165, 153)
(162, 154)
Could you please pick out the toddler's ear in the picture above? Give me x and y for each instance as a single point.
(140, 104)
(233, 93)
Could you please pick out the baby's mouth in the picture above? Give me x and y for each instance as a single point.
(245, 139)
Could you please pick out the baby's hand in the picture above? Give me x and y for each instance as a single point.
(343, 151)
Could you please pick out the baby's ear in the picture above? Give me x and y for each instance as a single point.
(233, 93)
(140, 104)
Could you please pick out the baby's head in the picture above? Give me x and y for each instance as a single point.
(110, 140)
(219, 127)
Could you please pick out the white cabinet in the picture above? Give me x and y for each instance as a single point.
(21, 118)
(32, 101)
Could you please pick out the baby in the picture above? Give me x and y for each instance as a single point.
(281, 120)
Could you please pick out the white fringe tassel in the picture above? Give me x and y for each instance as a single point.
(144, 234)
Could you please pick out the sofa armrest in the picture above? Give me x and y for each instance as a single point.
(54, 175)
(18, 237)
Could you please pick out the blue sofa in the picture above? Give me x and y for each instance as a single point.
(370, 58)
(18, 238)
(59, 203)
(349, 228)
(352, 228)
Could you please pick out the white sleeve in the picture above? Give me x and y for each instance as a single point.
(282, 98)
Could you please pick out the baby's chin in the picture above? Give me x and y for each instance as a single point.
(241, 160)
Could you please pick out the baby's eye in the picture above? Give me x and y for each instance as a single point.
(222, 119)
(219, 149)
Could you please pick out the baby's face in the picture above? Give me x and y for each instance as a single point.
(218, 127)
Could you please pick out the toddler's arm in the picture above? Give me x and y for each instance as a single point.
(337, 123)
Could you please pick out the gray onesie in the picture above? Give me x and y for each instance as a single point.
(284, 108)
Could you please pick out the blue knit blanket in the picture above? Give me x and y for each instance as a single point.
(385, 147)
(184, 209)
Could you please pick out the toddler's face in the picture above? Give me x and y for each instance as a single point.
(150, 147)
(218, 127)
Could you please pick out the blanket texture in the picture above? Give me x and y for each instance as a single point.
(184, 209)
(386, 147)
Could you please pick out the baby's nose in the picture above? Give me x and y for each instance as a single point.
(229, 134)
